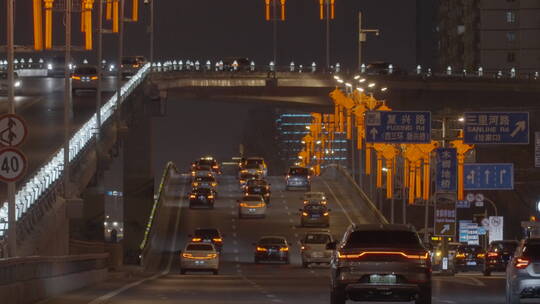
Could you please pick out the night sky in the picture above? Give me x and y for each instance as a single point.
(213, 29)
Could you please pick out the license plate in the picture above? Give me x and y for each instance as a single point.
(316, 216)
(201, 197)
(471, 263)
(251, 210)
(199, 262)
(317, 254)
(207, 241)
(382, 279)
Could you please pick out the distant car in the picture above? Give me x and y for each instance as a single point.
(208, 161)
(272, 248)
(204, 182)
(232, 64)
(131, 65)
(315, 215)
(251, 206)
(208, 235)
(253, 168)
(258, 187)
(245, 177)
(315, 198)
(56, 66)
(313, 248)
(383, 68)
(17, 83)
(199, 257)
(380, 262)
(523, 272)
(298, 177)
(498, 254)
(469, 258)
(254, 162)
(84, 78)
(202, 197)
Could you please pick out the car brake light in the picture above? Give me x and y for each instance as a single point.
(261, 249)
(196, 239)
(361, 254)
(480, 255)
(192, 196)
(210, 196)
(460, 255)
(94, 77)
(304, 213)
(217, 240)
(284, 249)
(76, 77)
(326, 213)
(492, 254)
(521, 263)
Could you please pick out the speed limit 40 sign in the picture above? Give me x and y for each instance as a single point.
(12, 164)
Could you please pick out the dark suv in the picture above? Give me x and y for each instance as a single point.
(298, 177)
(498, 254)
(380, 262)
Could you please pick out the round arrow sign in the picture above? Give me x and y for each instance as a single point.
(13, 130)
(470, 197)
(12, 164)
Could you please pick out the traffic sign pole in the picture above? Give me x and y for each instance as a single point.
(12, 234)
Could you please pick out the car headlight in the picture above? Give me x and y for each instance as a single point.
(17, 83)
(49, 66)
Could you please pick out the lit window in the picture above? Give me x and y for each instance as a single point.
(510, 17)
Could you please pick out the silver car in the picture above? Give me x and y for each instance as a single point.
(523, 272)
(313, 247)
(252, 206)
(315, 198)
(199, 257)
(17, 84)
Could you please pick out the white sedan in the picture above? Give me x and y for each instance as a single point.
(199, 257)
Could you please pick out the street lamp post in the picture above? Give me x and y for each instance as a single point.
(120, 54)
(362, 33)
(67, 100)
(12, 221)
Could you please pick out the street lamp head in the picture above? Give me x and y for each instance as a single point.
(362, 80)
(340, 81)
(384, 89)
(356, 77)
(348, 85)
(461, 119)
(371, 85)
(360, 89)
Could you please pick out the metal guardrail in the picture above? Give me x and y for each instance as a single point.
(364, 196)
(170, 167)
(49, 174)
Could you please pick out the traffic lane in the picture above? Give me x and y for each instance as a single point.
(469, 288)
(39, 86)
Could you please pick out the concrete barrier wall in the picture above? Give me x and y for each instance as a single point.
(30, 279)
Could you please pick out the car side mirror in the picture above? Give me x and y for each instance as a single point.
(331, 246)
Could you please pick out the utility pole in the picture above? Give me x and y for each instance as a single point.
(120, 55)
(275, 20)
(99, 68)
(67, 100)
(152, 12)
(12, 212)
(328, 34)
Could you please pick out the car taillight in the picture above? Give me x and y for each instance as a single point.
(196, 239)
(304, 214)
(284, 249)
(421, 256)
(261, 249)
(521, 263)
(217, 240)
(481, 255)
(304, 247)
(192, 196)
(210, 196)
(326, 213)
(460, 255)
(492, 254)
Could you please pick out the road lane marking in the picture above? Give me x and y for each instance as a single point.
(338, 201)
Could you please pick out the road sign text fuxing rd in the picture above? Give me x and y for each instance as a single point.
(398, 127)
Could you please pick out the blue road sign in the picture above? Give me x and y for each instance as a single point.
(496, 128)
(398, 127)
(488, 176)
(463, 204)
(446, 170)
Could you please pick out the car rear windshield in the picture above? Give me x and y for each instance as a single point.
(86, 71)
(253, 166)
(299, 171)
(317, 238)
(383, 239)
(250, 198)
(313, 196)
(202, 167)
(199, 247)
(254, 161)
(266, 241)
(248, 176)
(470, 249)
(315, 208)
(503, 246)
(206, 178)
(206, 162)
(129, 60)
(256, 183)
(204, 191)
(206, 233)
(532, 251)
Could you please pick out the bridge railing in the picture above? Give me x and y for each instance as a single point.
(43, 181)
(170, 169)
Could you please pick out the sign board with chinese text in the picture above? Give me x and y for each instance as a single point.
(496, 128)
(479, 176)
(446, 170)
(468, 233)
(398, 127)
(445, 215)
(496, 228)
